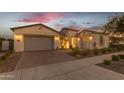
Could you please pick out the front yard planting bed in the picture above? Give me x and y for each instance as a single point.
(9, 63)
(115, 64)
(84, 53)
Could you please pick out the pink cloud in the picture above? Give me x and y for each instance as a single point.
(41, 17)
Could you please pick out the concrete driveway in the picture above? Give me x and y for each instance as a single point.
(38, 58)
(81, 69)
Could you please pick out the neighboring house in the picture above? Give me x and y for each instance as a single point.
(41, 37)
(5, 45)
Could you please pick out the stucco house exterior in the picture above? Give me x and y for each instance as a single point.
(92, 39)
(68, 38)
(85, 39)
(41, 37)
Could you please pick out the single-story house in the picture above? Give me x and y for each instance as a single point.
(41, 37)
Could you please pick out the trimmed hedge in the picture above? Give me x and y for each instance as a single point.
(6, 55)
(107, 62)
(121, 56)
(76, 51)
(115, 57)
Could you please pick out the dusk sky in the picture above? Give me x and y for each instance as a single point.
(56, 20)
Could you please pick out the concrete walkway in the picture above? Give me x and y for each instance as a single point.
(81, 69)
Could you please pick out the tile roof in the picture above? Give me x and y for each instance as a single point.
(14, 28)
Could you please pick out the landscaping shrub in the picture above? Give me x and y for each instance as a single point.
(115, 58)
(109, 50)
(96, 51)
(104, 50)
(87, 52)
(115, 49)
(84, 52)
(121, 56)
(1, 61)
(76, 51)
(107, 62)
(6, 55)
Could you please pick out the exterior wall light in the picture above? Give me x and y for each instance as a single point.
(78, 39)
(56, 38)
(18, 37)
(90, 38)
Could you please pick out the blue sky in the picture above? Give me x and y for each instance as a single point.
(56, 20)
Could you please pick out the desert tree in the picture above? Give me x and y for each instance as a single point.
(115, 24)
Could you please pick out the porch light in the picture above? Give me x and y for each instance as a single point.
(90, 37)
(18, 37)
(56, 38)
(78, 39)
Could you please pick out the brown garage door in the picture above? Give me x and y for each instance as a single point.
(32, 43)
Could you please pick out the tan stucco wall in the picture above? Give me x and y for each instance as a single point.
(95, 38)
(106, 40)
(19, 45)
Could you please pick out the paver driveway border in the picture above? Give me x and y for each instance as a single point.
(81, 69)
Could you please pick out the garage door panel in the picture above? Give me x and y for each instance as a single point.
(38, 43)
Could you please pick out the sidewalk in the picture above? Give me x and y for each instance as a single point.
(81, 69)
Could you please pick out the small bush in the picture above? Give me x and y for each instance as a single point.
(1, 61)
(104, 50)
(115, 50)
(84, 52)
(76, 51)
(107, 62)
(5, 56)
(109, 50)
(115, 58)
(96, 51)
(121, 56)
